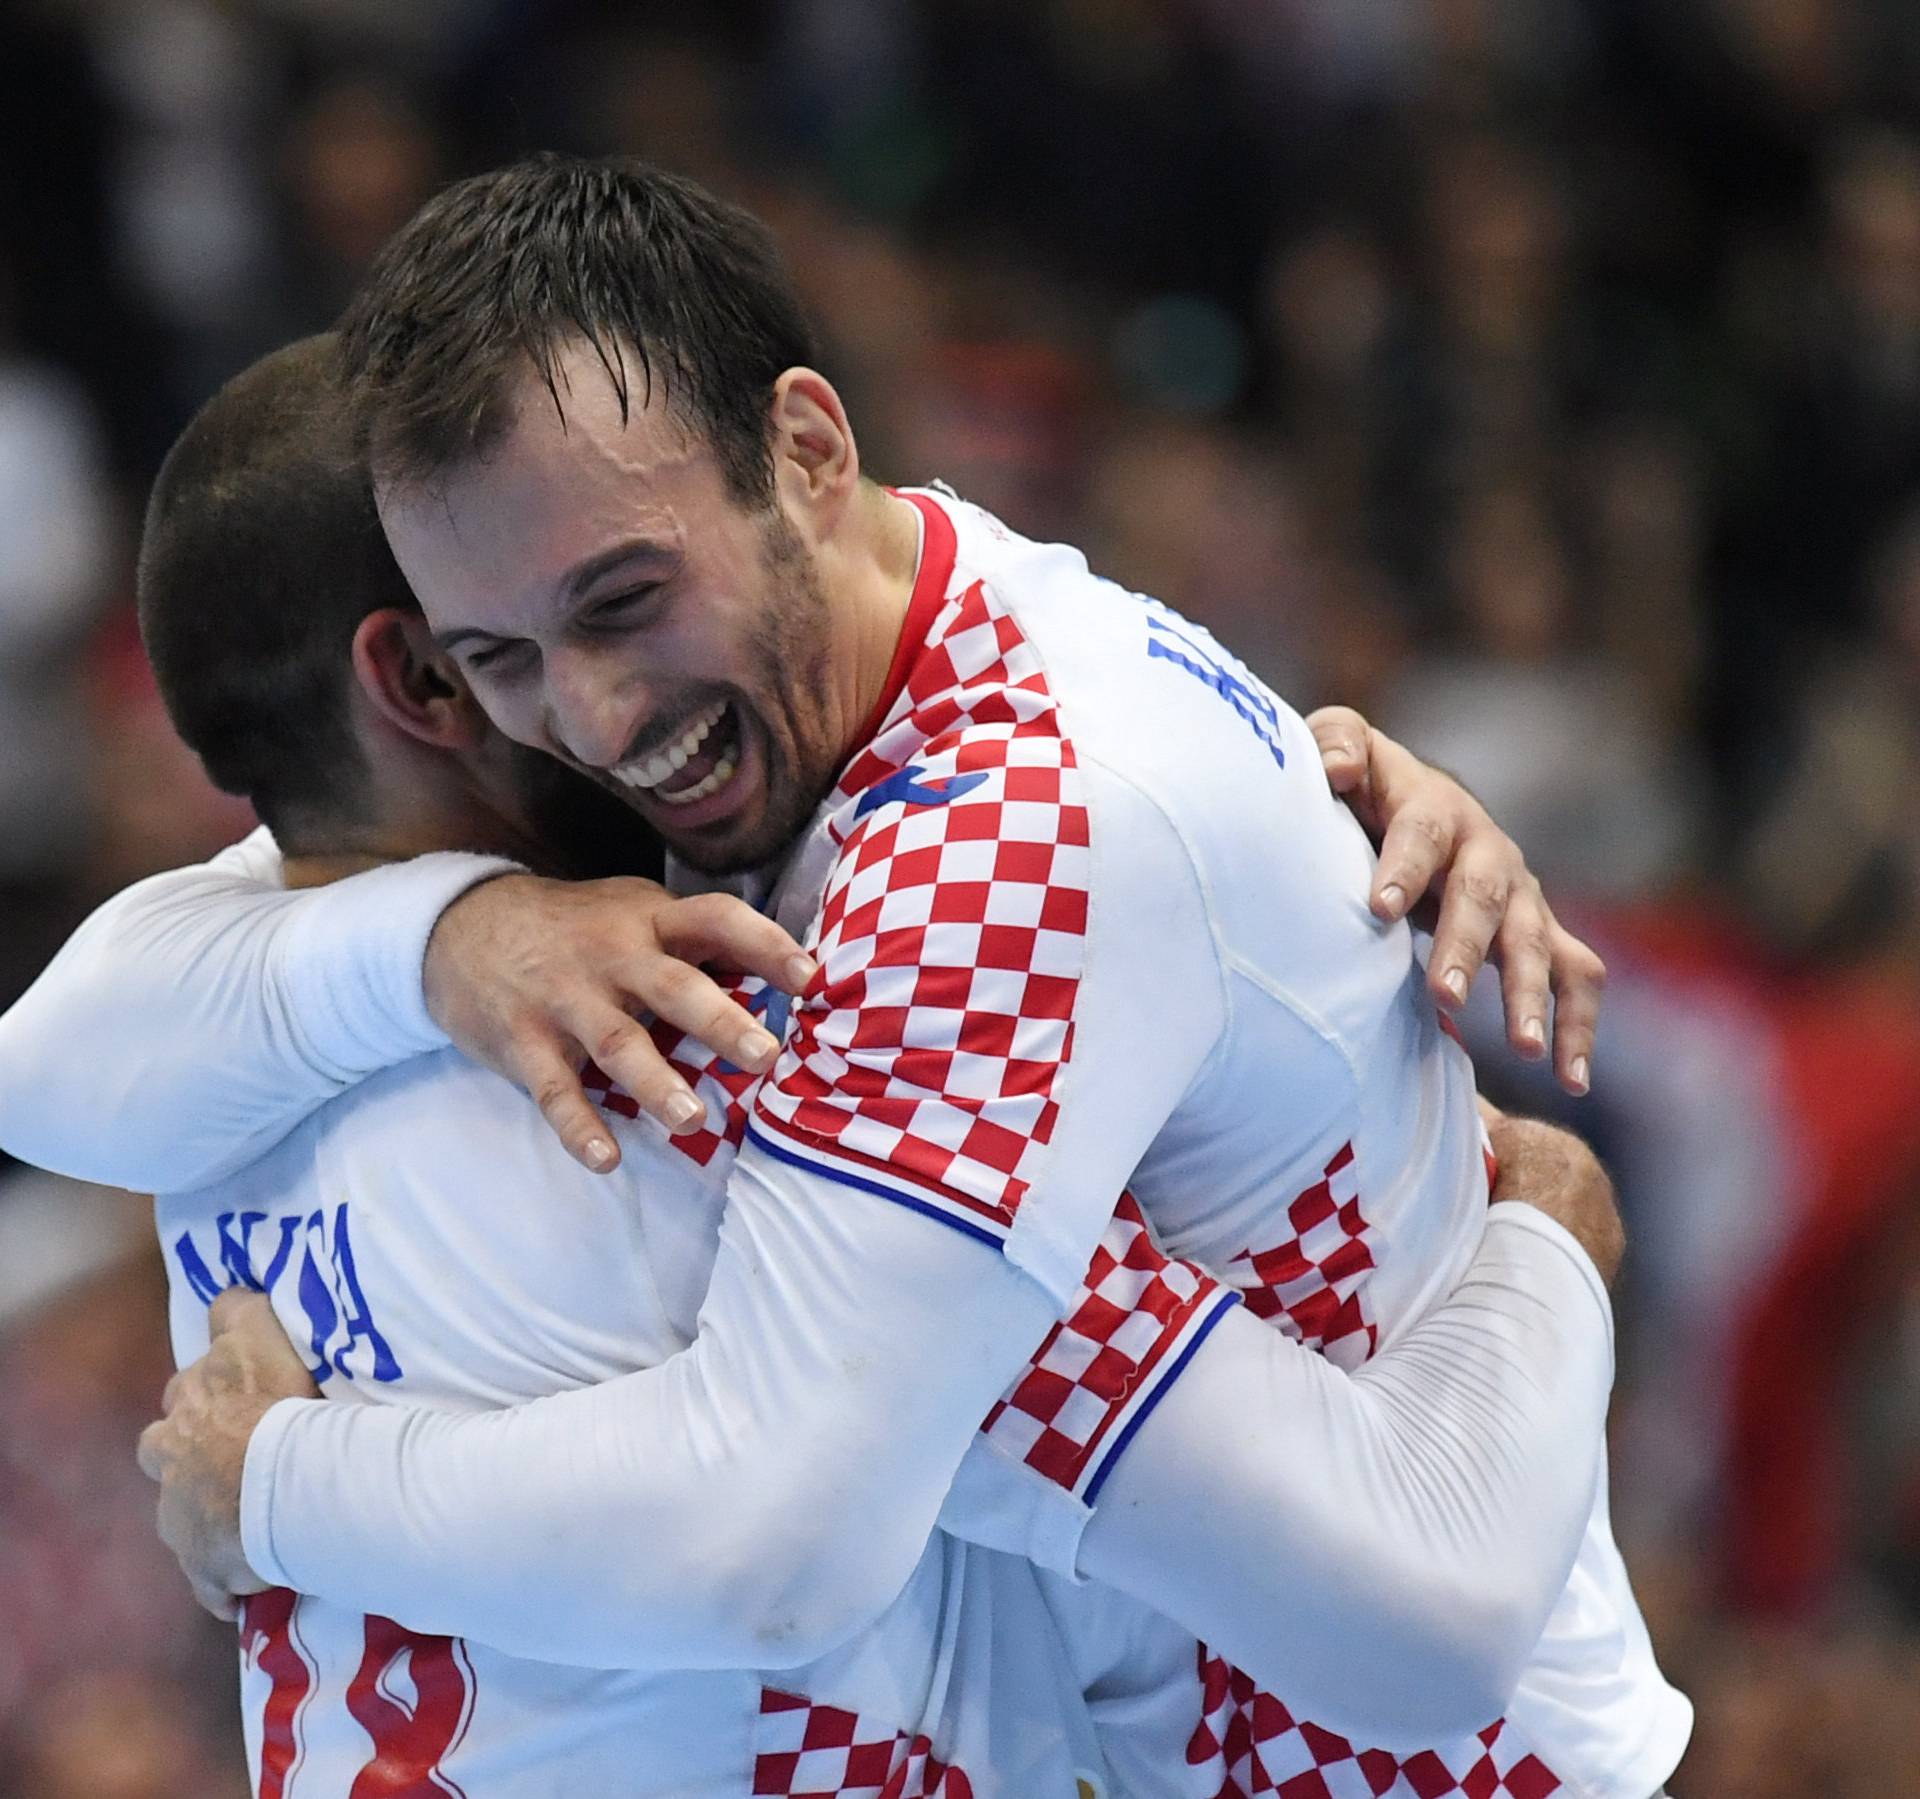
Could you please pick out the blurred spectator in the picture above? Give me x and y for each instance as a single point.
(56, 531)
(1553, 738)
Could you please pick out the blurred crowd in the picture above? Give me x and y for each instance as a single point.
(1542, 378)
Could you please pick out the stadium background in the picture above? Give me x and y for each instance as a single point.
(1543, 378)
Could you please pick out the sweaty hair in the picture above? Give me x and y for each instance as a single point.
(500, 273)
(262, 553)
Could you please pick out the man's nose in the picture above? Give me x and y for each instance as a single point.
(592, 715)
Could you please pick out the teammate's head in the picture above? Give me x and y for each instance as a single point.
(295, 662)
(618, 488)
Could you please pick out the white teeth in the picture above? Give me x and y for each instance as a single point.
(675, 756)
(711, 782)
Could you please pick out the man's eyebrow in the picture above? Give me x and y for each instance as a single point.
(640, 549)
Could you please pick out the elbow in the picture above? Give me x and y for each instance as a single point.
(1465, 1652)
(815, 1577)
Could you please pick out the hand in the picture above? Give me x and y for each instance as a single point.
(1491, 908)
(531, 976)
(1555, 1173)
(198, 1449)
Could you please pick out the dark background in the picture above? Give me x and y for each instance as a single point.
(1543, 378)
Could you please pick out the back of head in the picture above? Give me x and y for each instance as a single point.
(497, 274)
(261, 555)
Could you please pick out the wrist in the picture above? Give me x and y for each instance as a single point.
(442, 986)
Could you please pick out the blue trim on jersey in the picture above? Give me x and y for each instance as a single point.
(833, 1171)
(905, 786)
(1225, 1301)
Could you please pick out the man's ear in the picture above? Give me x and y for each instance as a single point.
(413, 684)
(816, 462)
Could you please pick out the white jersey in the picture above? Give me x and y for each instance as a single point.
(1086, 915)
(424, 1241)
(1327, 1161)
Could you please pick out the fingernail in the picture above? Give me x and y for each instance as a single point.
(1532, 1033)
(1394, 898)
(599, 1152)
(800, 972)
(1578, 1074)
(1455, 982)
(683, 1109)
(756, 1048)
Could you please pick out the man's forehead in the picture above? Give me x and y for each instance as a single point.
(546, 510)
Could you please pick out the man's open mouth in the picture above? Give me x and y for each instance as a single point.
(695, 765)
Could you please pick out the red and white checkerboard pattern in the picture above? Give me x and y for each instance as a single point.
(1313, 1283)
(721, 1088)
(951, 938)
(809, 1751)
(1248, 1744)
(1107, 1361)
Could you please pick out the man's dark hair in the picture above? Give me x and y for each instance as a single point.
(261, 555)
(501, 272)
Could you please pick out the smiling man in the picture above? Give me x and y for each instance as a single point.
(1028, 825)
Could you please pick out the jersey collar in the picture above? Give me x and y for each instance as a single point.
(937, 551)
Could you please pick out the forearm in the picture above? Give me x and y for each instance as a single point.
(196, 1018)
(1383, 1549)
(751, 1502)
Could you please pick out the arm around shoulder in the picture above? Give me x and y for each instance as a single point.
(196, 1018)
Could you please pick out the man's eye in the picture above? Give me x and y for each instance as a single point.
(621, 607)
(493, 658)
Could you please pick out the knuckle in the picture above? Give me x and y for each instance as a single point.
(1485, 890)
(614, 1042)
(527, 1038)
(1527, 943)
(673, 983)
(555, 1097)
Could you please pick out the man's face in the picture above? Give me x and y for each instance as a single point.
(613, 605)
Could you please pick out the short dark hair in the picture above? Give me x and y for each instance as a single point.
(503, 270)
(261, 555)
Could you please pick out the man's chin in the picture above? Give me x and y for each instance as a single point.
(729, 848)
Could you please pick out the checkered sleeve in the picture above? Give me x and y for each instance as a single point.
(926, 1062)
(1045, 1450)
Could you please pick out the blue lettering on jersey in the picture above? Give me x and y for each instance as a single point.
(775, 1008)
(326, 1286)
(1232, 682)
(909, 789)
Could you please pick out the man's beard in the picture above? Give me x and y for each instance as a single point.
(586, 832)
(792, 656)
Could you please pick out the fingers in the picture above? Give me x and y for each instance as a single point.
(151, 1452)
(548, 1074)
(627, 1055)
(1420, 841)
(216, 1600)
(1579, 979)
(1471, 909)
(234, 1308)
(679, 994)
(717, 927)
(1342, 735)
(1524, 951)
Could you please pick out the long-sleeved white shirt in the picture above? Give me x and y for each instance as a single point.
(1060, 953)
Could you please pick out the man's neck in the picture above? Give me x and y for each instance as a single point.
(326, 862)
(883, 557)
